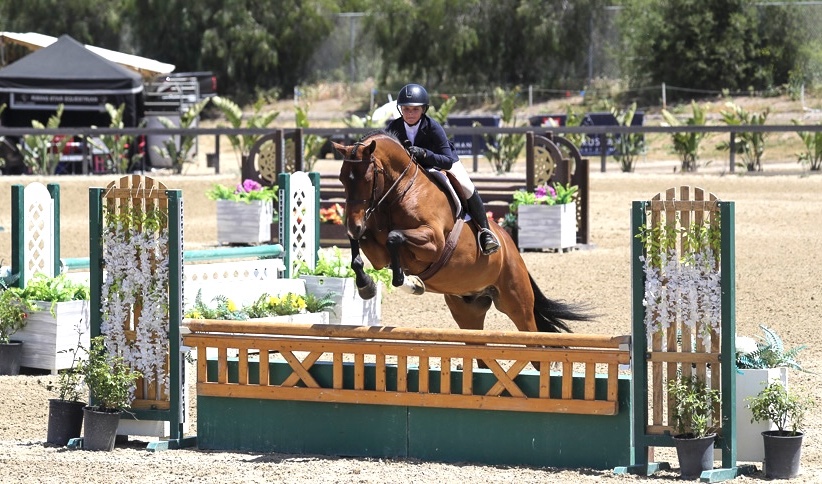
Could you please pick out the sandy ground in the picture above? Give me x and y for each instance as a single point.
(778, 271)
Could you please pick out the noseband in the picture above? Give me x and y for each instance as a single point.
(373, 203)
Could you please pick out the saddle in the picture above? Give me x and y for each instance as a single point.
(449, 183)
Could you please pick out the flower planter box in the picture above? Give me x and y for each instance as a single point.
(49, 339)
(304, 318)
(349, 307)
(547, 226)
(244, 223)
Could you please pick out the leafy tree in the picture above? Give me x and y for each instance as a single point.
(627, 146)
(750, 145)
(96, 22)
(502, 150)
(41, 152)
(117, 146)
(709, 44)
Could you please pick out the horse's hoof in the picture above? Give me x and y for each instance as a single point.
(413, 285)
(368, 291)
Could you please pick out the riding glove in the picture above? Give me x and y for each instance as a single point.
(419, 154)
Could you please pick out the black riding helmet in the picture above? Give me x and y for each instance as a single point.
(413, 95)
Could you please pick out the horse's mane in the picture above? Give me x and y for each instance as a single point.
(381, 132)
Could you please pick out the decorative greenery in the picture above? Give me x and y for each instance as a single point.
(686, 144)
(812, 156)
(693, 406)
(13, 313)
(502, 150)
(117, 146)
(331, 263)
(41, 152)
(767, 353)
(135, 254)
(234, 115)
(786, 410)
(627, 146)
(247, 191)
(55, 289)
(265, 306)
(108, 377)
(750, 145)
(441, 113)
(180, 152)
(312, 143)
(685, 286)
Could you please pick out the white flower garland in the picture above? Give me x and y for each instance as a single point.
(691, 293)
(127, 254)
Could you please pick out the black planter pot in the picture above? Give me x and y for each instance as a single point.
(65, 421)
(99, 429)
(782, 453)
(11, 354)
(695, 454)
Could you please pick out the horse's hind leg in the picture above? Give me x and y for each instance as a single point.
(366, 287)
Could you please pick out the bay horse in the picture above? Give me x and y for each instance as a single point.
(400, 217)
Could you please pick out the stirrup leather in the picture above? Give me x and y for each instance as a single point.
(493, 244)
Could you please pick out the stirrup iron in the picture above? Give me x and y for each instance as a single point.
(493, 244)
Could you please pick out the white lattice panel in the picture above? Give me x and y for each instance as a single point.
(304, 212)
(38, 231)
(241, 281)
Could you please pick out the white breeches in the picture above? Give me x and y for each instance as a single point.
(461, 174)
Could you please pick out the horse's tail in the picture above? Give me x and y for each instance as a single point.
(551, 315)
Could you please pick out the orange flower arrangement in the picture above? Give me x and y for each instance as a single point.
(332, 215)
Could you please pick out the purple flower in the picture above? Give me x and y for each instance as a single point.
(543, 191)
(540, 192)
(248, 186)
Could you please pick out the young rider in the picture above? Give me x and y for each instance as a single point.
(430, 147)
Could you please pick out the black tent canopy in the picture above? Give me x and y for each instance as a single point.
(69, 74)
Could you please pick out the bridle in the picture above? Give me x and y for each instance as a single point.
(373, 203)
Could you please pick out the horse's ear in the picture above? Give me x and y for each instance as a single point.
(341, 149)
(372, 146)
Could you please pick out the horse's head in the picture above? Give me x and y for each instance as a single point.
(370, 170)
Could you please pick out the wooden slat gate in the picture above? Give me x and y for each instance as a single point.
(404, 348)
(680, 230)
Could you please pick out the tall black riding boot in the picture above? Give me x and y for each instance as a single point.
(487, 240)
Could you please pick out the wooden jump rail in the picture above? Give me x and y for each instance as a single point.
(404, 345)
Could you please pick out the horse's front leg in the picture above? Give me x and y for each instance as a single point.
(366, 287)
(423, 243)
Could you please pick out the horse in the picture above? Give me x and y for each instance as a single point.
(398, 216)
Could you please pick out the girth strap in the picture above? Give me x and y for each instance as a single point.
(447, 251)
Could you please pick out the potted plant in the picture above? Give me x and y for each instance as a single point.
(693, 403)
(546, 218)
(333, 277)
(109, 380)
(13, 318)
(66, 410)
(787, 411)
(759, 361)
(245, 213)
(58, 309)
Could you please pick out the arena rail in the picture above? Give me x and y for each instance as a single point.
(405, 381)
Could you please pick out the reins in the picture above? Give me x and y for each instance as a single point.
(373, 203)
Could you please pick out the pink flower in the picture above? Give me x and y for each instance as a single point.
(248, 186)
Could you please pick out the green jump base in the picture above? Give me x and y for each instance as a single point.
(487, 437)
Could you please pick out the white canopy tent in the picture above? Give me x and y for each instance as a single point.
(34, 41)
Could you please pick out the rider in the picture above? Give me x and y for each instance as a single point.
(429, 146)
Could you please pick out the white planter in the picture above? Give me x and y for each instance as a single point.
(749, 383)
(244, 223)
(49, 341)
(547, 226)
(349, 307)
